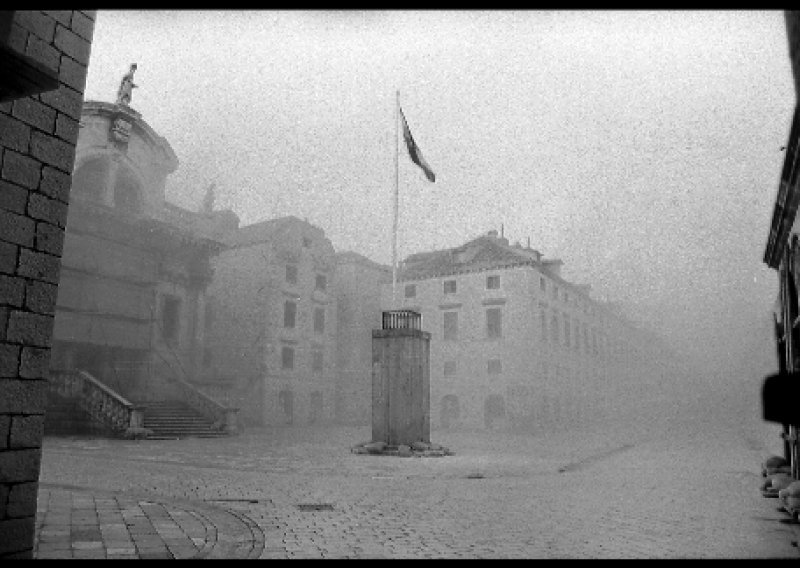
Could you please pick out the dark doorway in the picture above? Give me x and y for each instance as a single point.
(494, 410)
(286, 403)
(450, 410)
(315, 412)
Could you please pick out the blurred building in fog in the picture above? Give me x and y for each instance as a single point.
(358, 286)
(131, 300)
(268, 318)
(515, 344)
(132, 291)
(272, 323)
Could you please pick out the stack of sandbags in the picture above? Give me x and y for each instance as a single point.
(774, 483)
(775, 464)
(790, 498)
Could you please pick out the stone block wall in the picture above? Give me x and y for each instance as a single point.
(792, 18)
(38, 134)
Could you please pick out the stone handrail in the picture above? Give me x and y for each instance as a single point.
(225, 418)
(102, 403)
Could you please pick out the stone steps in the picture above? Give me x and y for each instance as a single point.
(174, 419)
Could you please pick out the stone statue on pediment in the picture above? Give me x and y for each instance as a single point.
(126, 87)
(208, 200)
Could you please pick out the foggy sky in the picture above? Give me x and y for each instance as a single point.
(641, 148)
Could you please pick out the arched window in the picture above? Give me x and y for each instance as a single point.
(450, 410)
(89, 180)
(554, 328)
(127, 194)
(494, 409)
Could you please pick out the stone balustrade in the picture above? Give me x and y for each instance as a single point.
(99, 401)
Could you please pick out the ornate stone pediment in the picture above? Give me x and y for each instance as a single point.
(121, 131)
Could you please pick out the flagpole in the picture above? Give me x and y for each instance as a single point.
(396, 197)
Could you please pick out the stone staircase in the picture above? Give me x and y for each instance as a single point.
(173, 419)
(66, 417)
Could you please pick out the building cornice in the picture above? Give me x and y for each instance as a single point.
(785, 209)
(115, 111)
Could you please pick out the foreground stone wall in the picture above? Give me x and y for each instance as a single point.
(38, 133)
(793, 38)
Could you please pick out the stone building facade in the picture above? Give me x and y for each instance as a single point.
(43, 63)
(358, 285)
(782, 252)
(131, 300)
(516, 345)
(273, 338)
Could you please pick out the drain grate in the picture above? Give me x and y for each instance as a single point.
(315, 506)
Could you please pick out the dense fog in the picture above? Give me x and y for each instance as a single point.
(641, 149)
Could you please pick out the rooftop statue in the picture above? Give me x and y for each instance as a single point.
(208, 200)
(126, 87)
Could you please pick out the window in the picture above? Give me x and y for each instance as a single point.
(542, 284)
(321, 283)
(577, 336)
(411, 291)
(306, 242)
(567, 339)
(494, 323)
(449, 368)
(315, 410)
(543, 321)
(289, 314)
(492, 282)
(554, 329)
(585, 339)
(319, 320)
(170, 318)
(210, 315)
(449, 286)
(494, 367)
(316, 361)
(566, 297)
(291, 274)
(450, 325)
(287, 357)
(90, 179)
(555, 292)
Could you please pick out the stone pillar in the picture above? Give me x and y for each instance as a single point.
(111, 180)
(44, 57)
(400, 380)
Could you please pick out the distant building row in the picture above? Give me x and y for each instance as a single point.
(269, 318)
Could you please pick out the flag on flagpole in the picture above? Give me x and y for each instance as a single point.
(414, 151)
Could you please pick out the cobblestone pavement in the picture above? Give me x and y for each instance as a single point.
(681, 488)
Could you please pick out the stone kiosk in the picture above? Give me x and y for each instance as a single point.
(401, 388)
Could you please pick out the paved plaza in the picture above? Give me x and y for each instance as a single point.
(681, 487)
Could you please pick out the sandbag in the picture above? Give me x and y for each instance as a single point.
(793, 490)
(776, 482)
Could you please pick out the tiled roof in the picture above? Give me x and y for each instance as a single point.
(269, 228)
(483, 253)
(357, 258)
